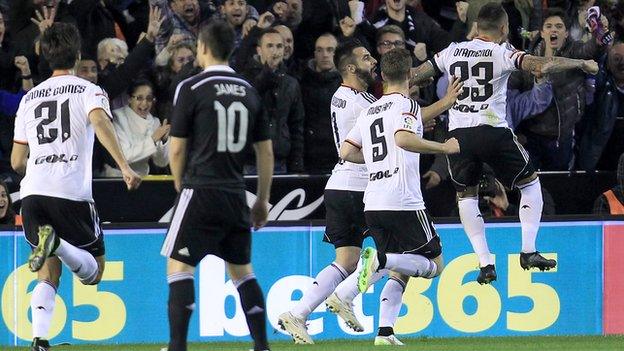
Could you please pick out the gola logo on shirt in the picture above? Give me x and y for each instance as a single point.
(383, 174)
(55, 158)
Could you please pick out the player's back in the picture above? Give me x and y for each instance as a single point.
(346, 106)
(220, 114)
(53, 120)
(484, 67)
(394, 176)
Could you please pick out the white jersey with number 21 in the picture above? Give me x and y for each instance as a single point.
(53, 120)
(484, 67)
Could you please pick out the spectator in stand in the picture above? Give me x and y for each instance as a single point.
(612, 201)
(179, 55)
(550, 135)
(422, 33)
(141, 136)
(182, 17)
(87, 69)
(111, 51)
(604, 119)
(319, 81)
(7, 54)
(291, 62)
(318, 17)
(7, 214)
(388, 38)
(282, 100)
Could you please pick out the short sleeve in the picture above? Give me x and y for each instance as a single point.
(261, 130)
(512, 58)
(19, 130)
(439, 60)
(355, 136)
(182, 116)
(410, 120)
(96, 98)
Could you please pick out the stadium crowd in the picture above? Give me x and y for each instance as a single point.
(139, 50)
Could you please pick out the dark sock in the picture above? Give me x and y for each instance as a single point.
(385, 331)
(252, 302)
(181, 306)
(381, 256)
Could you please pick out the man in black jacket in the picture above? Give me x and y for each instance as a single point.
(319, 81)
(281, 97)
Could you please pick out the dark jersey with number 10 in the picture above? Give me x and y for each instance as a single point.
(220, 114)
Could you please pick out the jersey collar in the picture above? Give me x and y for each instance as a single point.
(219, 68)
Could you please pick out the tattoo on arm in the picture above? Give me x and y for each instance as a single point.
(422, 73)
(532, 63)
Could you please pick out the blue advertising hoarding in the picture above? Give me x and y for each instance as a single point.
(129, 305)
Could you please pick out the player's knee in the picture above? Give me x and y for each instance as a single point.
(468, 192)
(439, 261)
(349, 263)
(97, 280)
(527, 180)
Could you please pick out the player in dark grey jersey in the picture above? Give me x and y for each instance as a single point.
(217, 114)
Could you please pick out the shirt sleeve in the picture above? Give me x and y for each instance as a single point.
(439, 60)
(19, 130)
(261, 130)
(355, 136)
(96, 98)
(182, 116)
(512, 58)
(410, 120)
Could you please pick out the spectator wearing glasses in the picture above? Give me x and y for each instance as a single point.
(388, 37)
(141, 136)
(319, 81)
(178, 55)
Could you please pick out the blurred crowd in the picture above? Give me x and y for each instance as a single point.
(139, 50)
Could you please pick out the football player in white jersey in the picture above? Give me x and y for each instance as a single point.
(53, 145)
(344, 192)
(387, 137)
(478, 122)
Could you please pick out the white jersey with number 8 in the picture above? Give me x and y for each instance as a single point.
(53, 121)
(484, 67)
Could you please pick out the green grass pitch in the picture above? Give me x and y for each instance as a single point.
(531, 343)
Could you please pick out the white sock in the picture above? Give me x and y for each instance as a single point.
(324, 284)
(472, 220)
(42, 308)
(411, 264)
(531, 204)
(390, 302)
(80, 261)
(348, 289)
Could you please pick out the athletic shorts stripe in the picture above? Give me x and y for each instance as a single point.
(176, 221)
(422, 217)
(525, 156)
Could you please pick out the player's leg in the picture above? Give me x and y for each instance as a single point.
(181, 303)
(42, 302)
(530, 212)
(390, 302)
(514, 169)
(252, 302)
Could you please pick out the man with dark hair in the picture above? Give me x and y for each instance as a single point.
(551, 135)
(216, 116)
(387, 137)
(281, 96)
(55, 124)
(478, 121)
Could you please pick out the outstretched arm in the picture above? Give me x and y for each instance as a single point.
(546, 65)
(423, 74)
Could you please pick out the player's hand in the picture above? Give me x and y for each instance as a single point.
(347, 26)
(590, 66)
(429, 125)
(155, 21)
(451, 146)
(132, 179)
(45, 20)
(259, 214)
(420, 51)
(433, 179)
(454, 89)
(462, 10)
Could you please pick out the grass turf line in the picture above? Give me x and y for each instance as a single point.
(530, 343)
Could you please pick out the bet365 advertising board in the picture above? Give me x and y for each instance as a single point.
(130, 304)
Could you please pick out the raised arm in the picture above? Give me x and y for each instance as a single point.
(432, 111)
(423, 74)
(546, 65)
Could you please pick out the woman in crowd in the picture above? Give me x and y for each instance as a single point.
(141, 135)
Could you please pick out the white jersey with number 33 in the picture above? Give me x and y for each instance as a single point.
(484, 67)
(53, 121)
(393, 173)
